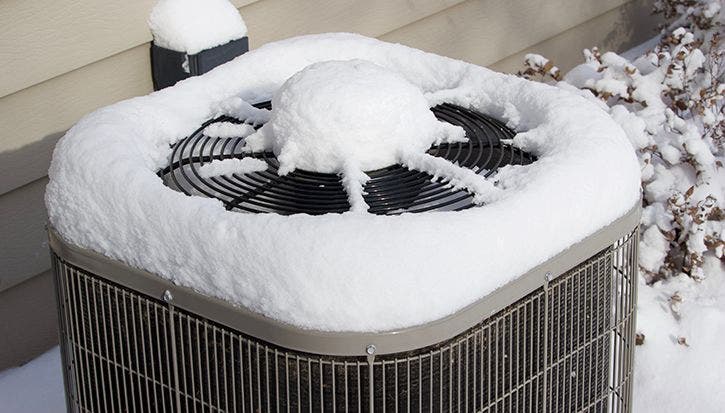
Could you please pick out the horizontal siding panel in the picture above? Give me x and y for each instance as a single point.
(28, 321)
(271, 20)
(485, 31)
(34, 118)
(618, 29)
(24, 242)
(43, 39)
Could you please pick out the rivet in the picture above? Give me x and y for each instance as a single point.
(168, 296)
(370, 349)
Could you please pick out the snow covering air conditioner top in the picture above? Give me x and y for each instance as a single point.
(354, 271)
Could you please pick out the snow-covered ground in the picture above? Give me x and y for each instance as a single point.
(680, 367)
(36, 387)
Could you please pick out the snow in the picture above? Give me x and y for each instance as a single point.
(712, 9)
(540, 62)
(344, 117)
(641, 49)
(679, 366)
(337, 112)
(222, 167)
(36, 387)
(353, 180)
(652, 248)
(341, 272)
(238, 108)
(674, 377)
(679, 162)
(228, 130)
(536, 59)
(191, 26)
(456, 177)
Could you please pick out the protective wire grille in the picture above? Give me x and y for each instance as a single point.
(391, 190)
(566, 347)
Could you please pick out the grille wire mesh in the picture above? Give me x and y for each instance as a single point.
(566, 347)
(391, 190)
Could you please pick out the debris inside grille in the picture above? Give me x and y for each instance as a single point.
(391, 190)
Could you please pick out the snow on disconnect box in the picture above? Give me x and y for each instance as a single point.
(191, 26)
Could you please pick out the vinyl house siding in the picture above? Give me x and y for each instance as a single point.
(62, 59)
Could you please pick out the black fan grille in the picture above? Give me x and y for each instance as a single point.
(391, 190)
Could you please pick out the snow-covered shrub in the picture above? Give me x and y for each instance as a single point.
(669, 101)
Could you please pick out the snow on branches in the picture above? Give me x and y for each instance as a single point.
(670, 102)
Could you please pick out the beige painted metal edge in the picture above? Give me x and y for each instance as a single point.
(345, 343)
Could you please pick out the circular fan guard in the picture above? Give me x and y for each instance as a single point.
(390, 190)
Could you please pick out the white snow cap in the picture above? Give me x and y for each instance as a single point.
(342, 272)
(191, 26)
(232, 166)
(351, 116)
(338, 112)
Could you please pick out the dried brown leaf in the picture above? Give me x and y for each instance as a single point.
(689, 192)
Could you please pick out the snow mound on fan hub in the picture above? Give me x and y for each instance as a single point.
(337, 112)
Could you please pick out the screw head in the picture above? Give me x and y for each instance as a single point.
(370, 349)
(168, 296)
